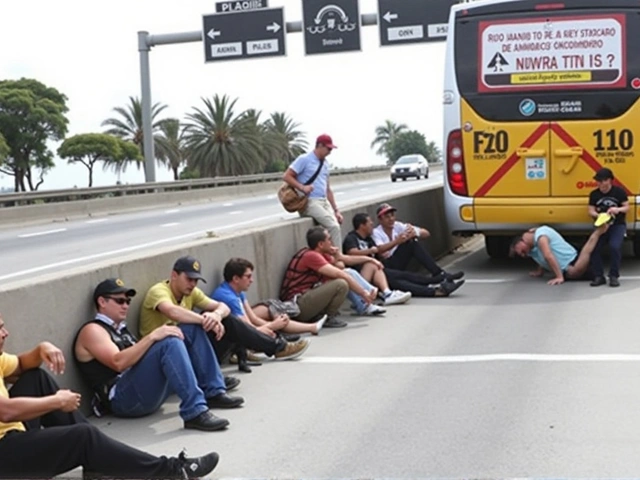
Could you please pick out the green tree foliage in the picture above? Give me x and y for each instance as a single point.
(89, 148)
(385, 134)
(292, 138)
(30, 115)
(4, 149)
(407, 143)
(170, 145)
(433, 153)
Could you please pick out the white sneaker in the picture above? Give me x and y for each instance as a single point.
(396, 297)
(373, 310)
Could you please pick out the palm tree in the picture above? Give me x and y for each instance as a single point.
(433, 153)
(385, 133)
(284, 127)
(170, 145)
(219, 142)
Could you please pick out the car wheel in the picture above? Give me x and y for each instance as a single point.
(393, 179)
(404, 179)
(426, 175)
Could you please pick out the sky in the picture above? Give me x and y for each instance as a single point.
(88, 51)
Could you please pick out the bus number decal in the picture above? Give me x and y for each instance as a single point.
(613, 146)
(490, 145)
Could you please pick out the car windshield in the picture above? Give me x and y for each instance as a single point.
(405, 160)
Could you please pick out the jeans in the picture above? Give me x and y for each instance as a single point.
(614, 236)
(357, 302)
(188, 368)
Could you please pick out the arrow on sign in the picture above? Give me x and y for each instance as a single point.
(212, 34)
(390, 16)
(274, 27)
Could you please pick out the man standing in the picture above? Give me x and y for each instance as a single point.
(613, 200)
(133, 379)
(322, 205)
(42, 434)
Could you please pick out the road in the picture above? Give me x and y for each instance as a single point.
(57, 246)
(508, 378)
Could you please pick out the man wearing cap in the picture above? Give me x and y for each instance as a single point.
(133, 378)
(613, 200)
(172, 303)
(322, 205)
(397, 244)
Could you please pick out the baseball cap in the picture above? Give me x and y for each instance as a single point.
(603, 174)
(111, 286)
(384, 208)
(190, 266)
(325, 140)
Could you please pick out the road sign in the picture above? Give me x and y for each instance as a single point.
(413, 21)
(244, 34)
(330, 26)
(237, 6)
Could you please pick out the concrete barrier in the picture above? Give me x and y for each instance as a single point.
(52, 307)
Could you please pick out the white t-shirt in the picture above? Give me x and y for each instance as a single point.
(380, 237)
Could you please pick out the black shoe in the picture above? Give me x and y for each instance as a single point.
(451, 276)
(231, 383)
(207, 421)
(614, 282)
(291, 337)
(222, 400)
(199, 466)
(334, 322)
(599, 280)
(447, 288)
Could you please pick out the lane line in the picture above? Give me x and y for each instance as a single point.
(173, 210)
(97, 220)
(235, 212)
(489, 280)
(479, 358)
(227, 204)
(172, 224)
(38, 234)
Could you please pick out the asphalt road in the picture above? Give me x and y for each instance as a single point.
(508, 378)
(57, 246)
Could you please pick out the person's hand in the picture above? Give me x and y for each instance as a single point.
(307, 189)
(339, 217)
(279, 322)
(556, 281)
(69, 401)
(166, 331)
(377, 263)
(267, 330)
(410, 232)
(371, 295)
(613, 211)
(334, 250)
(374, 250)
(53, 357)
(536, 273)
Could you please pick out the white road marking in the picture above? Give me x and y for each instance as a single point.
(173, 210)
(97, 220)
(339, 193)
(235, 212)
(38, 234)
(270, 197)
(227, 204)
(364, 189)
(488, 280)
(479, 358)
(172, 224)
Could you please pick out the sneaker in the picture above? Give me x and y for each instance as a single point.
(292, 350)
(207, 422)
(334, 322)
(222, 400)
(396, 297)
(231, 383)
(614, 282)
(451, 276)
(373, 310)
(447, 288)
(290, 337)
(199, 466)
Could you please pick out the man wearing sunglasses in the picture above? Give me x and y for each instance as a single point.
(133, 378)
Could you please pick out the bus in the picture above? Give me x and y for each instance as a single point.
(539, 95)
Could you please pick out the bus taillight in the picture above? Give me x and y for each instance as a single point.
(455, 163)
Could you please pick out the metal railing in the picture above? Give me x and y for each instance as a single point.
(75, 194)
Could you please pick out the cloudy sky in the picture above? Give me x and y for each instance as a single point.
(88, 51)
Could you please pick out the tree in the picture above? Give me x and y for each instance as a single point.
(407, 143)
(384, 134)
(4, 149)
(30, 115)
(170, 145)
(219, 142)
(282, 125)
(433, 153)
(89, 148)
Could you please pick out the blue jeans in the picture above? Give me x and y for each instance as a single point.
(188, 368)
(614, 236)
(357, 302)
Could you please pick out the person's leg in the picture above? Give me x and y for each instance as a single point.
(203, 360)
(248, 336)
(398, 281)
(164, 369)
(375, 276)
(616, 238)
(45, 453)
(583, 261)
(595, 261)
(356, 300)
(413, 277)
(320, 210)
(327, 298)
(38, 383)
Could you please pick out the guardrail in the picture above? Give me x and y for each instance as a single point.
(75, 194)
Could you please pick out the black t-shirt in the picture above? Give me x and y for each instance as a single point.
(613, 198)
(353, 240)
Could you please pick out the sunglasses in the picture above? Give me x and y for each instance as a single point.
(120, 300)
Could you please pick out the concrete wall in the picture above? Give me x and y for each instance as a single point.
(52, 307)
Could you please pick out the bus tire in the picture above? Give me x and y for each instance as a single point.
(497, 246)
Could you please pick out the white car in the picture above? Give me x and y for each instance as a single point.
(410, 166)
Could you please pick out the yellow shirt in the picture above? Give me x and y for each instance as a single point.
(151, 318)
(8, 365)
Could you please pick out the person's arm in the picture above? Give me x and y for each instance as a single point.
(545, 248)
(44, 352)
(351, 260)
(21, 409)
(384, 245)
(291, 177)
(330, 271)
(251, 316)
(332, 201)
(95, 343)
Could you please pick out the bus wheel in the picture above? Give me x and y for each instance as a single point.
(497, 246)
(636, 246)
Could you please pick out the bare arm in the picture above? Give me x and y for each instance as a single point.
(291, 178)
(21, 409)
(43, 352)
(624, 208)
(545, 248)
(593, 213)
(178, 313)
(331, 198)
(366, 252)
(385, 247)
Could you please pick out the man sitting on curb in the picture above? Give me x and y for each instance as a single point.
(133, 379)
(360, 242)
(320, 287)
(398, 244)
(173, 301)
(554, 254)
(42, 433)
